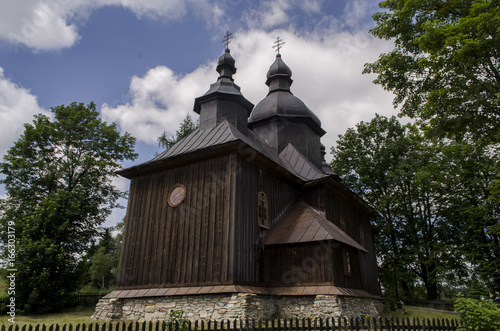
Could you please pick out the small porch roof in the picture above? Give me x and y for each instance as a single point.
(302, 223)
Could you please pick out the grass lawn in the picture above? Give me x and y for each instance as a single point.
(82, 315)
(421, 313)
(76, 315)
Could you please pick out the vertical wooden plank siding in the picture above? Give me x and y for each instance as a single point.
(248, 235)
(183, 245)
(338, 207)
(300, 264)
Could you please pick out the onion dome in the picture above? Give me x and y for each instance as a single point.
(279, 69)
(280, 101)
(225, 66)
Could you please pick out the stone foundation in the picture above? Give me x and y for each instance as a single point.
(236, 306)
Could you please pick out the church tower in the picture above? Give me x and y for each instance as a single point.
(224, 101)
(281, 118)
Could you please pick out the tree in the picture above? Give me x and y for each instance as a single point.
(473, 208)
(445, 73)
(398, 171)
(445, 67)
(103, 258)
(58, 178)
(187, 126)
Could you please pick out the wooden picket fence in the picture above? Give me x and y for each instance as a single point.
(327, 324)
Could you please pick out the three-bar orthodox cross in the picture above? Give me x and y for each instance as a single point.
(227, 39)
(278, 44)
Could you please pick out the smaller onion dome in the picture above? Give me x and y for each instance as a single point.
(279, 69)
(225, 66)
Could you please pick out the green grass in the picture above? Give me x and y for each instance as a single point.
(68, 316)
(421, 313)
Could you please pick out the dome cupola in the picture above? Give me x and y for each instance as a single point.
(282, 118)
(225, 66)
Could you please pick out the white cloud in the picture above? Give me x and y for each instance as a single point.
(41, 25)
(326, 71)
(355, 11)
(159, 101)
(270, 14)
(47, 25)
(17, 106)
(311, 6)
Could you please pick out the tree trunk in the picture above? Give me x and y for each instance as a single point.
(432, 290)
(406, 289)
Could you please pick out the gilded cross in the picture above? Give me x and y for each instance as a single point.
(278, 44)
(227, 38)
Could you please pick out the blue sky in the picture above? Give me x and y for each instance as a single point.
(144, 62)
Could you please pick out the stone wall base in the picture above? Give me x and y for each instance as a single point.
(236, 306)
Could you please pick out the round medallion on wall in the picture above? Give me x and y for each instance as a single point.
(177, 195)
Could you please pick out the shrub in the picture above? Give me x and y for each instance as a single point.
(478, 315)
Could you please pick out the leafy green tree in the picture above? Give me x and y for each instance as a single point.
(445, 73)
(104, 257)
(102, 269)
(58, 178)
(473, 208)
(445, 67)
(399, 172)
(187, 126)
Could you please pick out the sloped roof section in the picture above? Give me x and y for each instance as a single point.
(219, 135)
(300, 165)
(200, 139)
(302, 223)
(290, 158)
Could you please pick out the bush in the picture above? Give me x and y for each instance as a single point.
(478, 315)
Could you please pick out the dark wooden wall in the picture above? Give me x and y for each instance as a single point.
(315, 263)
(249, 248)
(185, 245)
(213, 237)
(338, 206)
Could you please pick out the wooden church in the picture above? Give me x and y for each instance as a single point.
(243, 218)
